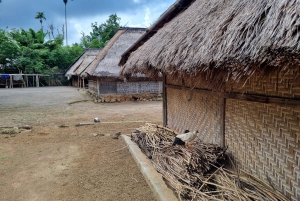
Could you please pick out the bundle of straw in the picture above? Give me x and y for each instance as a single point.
(198, 173)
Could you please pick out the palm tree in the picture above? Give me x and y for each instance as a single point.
(41, 17)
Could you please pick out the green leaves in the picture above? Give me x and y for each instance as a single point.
(102, 33)
(28, 51)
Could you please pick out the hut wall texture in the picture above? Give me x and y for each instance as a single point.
(130, 87)
(264, 139)
(194, 112)
(282, 84)
(139, 87)
(92, 85)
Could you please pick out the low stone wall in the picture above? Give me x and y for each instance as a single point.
(113, 98)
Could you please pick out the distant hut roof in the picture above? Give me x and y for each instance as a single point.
(219, 40)
(106, 64)
(80, 65)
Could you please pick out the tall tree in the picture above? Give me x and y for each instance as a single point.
(102, 33)
(41, 17)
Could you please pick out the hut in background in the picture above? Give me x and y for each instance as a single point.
(76, 71)
(105, 70)
(232, 71)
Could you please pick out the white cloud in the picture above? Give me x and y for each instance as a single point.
(136, 1)
(147, 18)
(136, 18)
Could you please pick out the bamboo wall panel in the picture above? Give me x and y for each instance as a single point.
(265, 140)
(130, 87)
(139, 87)
(108, 88)
(93, 85)
(201, 113)
(283, 84)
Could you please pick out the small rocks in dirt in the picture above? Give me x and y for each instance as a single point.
(116, 135)
(96, 119)
(98, 134)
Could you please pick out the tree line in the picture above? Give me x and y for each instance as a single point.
(42, 51)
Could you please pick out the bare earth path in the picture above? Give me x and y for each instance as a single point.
(51, 162)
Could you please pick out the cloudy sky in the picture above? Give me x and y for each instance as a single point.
(80, 14)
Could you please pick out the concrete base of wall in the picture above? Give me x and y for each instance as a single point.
(152, 177)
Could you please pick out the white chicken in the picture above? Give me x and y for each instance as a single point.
(184, 138)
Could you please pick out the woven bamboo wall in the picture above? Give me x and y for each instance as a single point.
(139, 87)
(265, 140)
(92, 85)
(201, 113)
(283, 84)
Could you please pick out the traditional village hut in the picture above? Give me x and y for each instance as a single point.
(77, 70)
(232, 71)
(105, 70)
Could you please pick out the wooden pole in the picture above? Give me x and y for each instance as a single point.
(37, 81)
(222, 122)
(11, 82)
(98, 86)
(165, 114)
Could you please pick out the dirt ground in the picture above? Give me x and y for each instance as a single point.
(57, 160)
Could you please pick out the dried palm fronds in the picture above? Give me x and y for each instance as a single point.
(198, 173)
(223, 41)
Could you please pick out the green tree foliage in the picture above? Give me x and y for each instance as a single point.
(102, 33)
(32, 54)
(9, 49)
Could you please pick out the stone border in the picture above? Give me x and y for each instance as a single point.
(153, 178)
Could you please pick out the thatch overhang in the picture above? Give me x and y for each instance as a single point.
(106, 63)
(219, 41)
(81, 64)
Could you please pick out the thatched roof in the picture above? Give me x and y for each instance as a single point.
(80, 65)
(106, 64)
(217, 40)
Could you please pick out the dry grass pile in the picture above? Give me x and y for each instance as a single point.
(198, 173)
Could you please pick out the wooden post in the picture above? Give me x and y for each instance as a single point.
(11, 82)
(37, 80)
(222, 122)
(165, 115)
(98, 87)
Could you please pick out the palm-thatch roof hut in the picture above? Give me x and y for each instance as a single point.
(233, 67)
(106, 70)
(76, 72)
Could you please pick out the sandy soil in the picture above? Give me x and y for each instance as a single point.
(57, 160)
